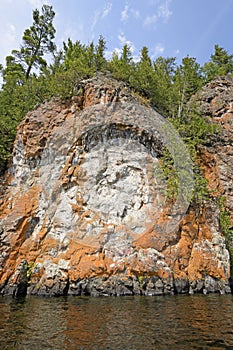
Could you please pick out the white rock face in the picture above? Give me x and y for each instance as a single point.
(119, 184)
(117, 190)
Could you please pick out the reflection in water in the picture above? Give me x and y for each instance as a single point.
(78, 323)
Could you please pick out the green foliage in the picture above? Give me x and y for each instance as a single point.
(201, 192)
(226, 227)
(142, 80)
(163, 87)
(99, 59)
(122, 67)
(85, 60)
(169, 174)
(142, 280)
(221, 63)
(30, 268)
(194, 131)
(187, 81)
(225, 221)
(22, 90)
(193, 128)
(79, 58)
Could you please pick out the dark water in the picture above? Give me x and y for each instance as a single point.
(174, 322)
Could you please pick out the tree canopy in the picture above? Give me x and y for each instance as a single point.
(28, 78)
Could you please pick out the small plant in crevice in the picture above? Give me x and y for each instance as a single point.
(201, 193)
(142, 279)
(30, 269)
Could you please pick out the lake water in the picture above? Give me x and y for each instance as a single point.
(76, 323)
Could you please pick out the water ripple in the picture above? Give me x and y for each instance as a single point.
(131, 323)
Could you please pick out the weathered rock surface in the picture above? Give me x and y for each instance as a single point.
(84, 201)
(217, 105)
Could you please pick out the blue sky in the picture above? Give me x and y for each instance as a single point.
(171, 28)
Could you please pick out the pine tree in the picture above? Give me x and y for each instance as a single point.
(142, 79)
(37, 41)
(122, 67)
(100, 60)
(21, 90)
(187, 81)
(162, 96)
(221, 63)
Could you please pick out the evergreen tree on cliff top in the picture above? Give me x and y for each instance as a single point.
(37, 41)
(20, 90)
(221, 63)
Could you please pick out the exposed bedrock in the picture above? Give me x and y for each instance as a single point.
(85, 204)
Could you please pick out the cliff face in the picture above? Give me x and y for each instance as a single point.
(84, 207)
(217, 105)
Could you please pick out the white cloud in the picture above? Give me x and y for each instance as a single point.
(125, 13)
(122, 39)
(101, 15)
(106, 10)
(162, 12)
(151, 20)
(118, 50)
(135, 13)
(95, 20)
(158, 50)
(108, 54)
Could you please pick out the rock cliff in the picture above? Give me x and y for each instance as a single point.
(84, 207)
